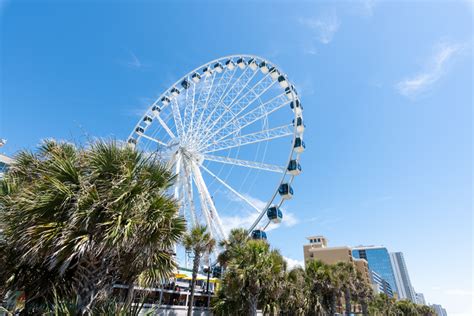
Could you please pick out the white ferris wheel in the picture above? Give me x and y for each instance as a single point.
(232, 130)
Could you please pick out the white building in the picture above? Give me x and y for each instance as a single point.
(402, 279)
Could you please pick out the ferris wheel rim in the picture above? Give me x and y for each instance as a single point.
(294, 98)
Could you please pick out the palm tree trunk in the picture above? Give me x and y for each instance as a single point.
(253, 305)
(363, 304)
(197, 259)
(347, 300)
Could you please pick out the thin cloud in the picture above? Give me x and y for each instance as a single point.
(436, 68)
(323, 28)
(249, 215)
(134, 62)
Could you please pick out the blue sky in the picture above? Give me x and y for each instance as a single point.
(387, 89)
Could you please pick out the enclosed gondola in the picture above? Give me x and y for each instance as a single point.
(274, 214)
(241, 63)
(218, 67)
(140, 130)
(259, 234)
(299, 145)
(296, 107)
(283, 82)
(196, 77)
(230, 64)
(156, 110)
(147, 120)
(174, 91)
(185, 84)
(294, 167)
(299, 124)
(274, 73)
(264, 67)
(165, 100)
(207, 71)
(286, 191)
(253, 64)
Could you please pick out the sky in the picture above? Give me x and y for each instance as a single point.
(386, 85)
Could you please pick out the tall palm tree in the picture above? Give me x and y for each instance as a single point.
(363, 292)
(346, 274)
(237, 239)
(253, 277)
(294, 300)
(200, 242)
(323, 286)
(81, 220)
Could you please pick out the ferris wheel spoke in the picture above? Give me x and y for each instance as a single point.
(231, 189)
(165, 127)
(177, 118)
(219, 92)
(154, 140)
(202, 101)
(250, 117)
(208, 203)
(226, 103)
(221, 107)
(277, 132)
(245, 163)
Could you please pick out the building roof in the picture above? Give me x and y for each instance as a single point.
(5, 159)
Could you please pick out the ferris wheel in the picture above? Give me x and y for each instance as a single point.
(232, 130)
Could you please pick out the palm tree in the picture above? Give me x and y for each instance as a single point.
(346, 274)
(294, 300)
(382, 304)
(199, 241)
(363, 292)
(323, 287)
(254, 276)
(237, 239)
(81, 220)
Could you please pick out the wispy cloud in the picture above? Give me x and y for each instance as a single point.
(293, 263)
(134, 62)
(434, 70)
(322, 28)
(249, 215)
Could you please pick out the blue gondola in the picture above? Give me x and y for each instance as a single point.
(286, 191)
(174, 91)
(207, 71)
(147, 120)
(196, 77)
(274, 73)
(283, 82)
(156, 110)
(230, 64)
(296, 107)
(294, 167)
(132, 141)
(290, 93)
(259, 234)
(140, 130)
(241, 63)
(218, 67)
(185, 84)
(165, 100)
(264, 67)
(299, 145)
(299, 125)
(274, 214)
(253, 64)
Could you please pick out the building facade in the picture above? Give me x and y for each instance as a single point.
(402, 279)
(420, 299)
(379, 262)
(380, 285)
(318, 249)
(439, 310)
